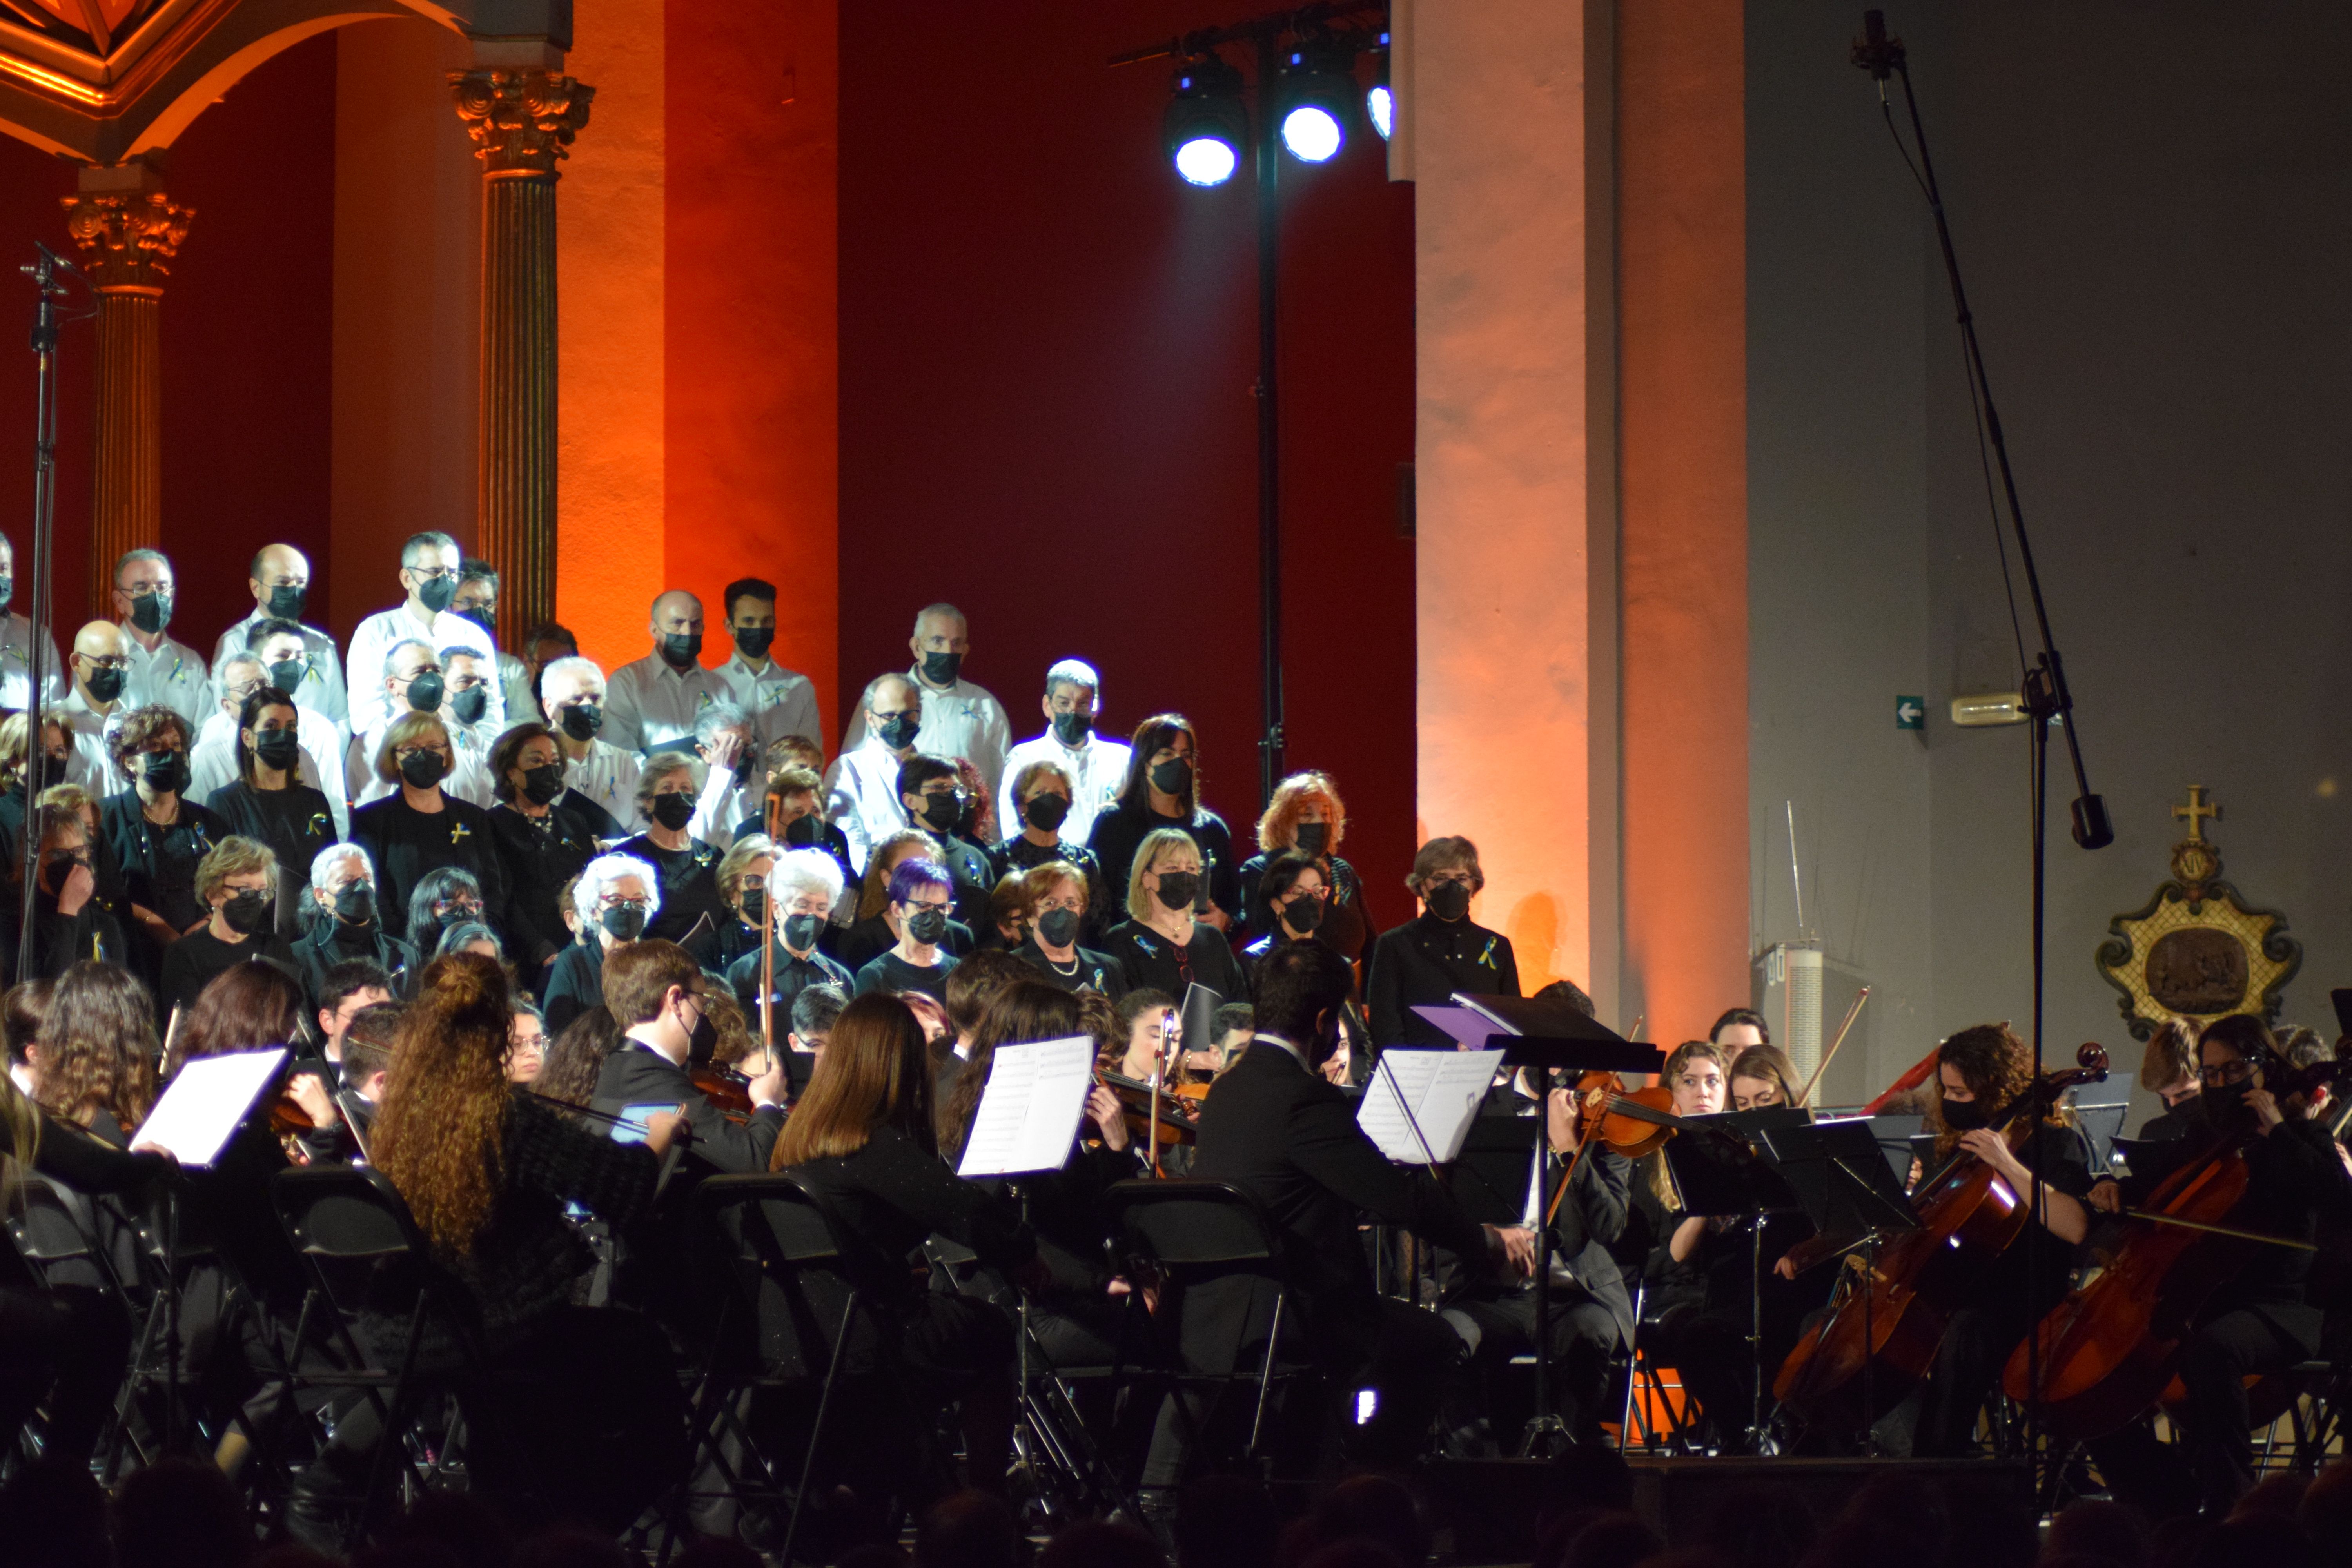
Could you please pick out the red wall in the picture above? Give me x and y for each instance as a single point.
(1047, 348)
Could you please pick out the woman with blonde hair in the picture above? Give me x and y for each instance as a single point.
(420, 827)
(1160, 944)
(238, 884)
(861, 1138)
(1306, 816)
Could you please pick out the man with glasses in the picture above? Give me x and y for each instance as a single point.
(1095, 764)
(959, 719)
(348, 929)
(572, 695)
(161, 670)
(413, 682)
(212, 763)
(932, 793)
(655, 700)
(430, 566)
(861, 791)
(100, 671)
(279, 582)
(17, 645)
(468, 681)
(655, 990)
(477, 600)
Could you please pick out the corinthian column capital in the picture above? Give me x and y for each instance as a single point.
(128, 239)
(521, 120)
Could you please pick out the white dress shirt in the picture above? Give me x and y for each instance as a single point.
(607, 776)
(17, 666)
(514, 690)
(781, 702)
(174, 675)
(91, 768)
(322, 688)
(212, 762)
(964, 721)
(861, 793)
(650, 706)
(1096, 770)
(385, 630)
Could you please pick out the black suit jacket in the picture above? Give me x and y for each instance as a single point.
(1289, 1139)
(632, 1075)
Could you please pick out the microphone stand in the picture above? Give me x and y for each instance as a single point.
(2046, 694)
(47, 320)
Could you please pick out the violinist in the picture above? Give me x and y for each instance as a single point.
(2261, 1322)
(1978, 1071)
(657, 994)
(1695, 1076)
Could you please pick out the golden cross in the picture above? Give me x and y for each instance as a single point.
(2195, 813)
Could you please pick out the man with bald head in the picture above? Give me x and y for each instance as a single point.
(960, 720)
(17, 645)
(279, 582)
(99, 669)
(653, 702)
(861, 789)
(430, 566)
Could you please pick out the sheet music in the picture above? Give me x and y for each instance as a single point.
(206, 1102)
(1029, 1113)
(1442, 1089)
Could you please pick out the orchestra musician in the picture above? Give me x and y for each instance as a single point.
(657, 994)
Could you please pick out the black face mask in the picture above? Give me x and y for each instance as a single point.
(753, 903)
(1964, 1115)
(286, 602)
(1312, 836)
(485, 617)
(2226, 1102)
(755, 641)
(1303, 915)
(1047, 812)
(1448, 901)
(805, 832)
(624, 922)
(437, 593)
(56, 869)
(165, 773)
(422, 770)
(7, 590)
(468, 706)
(150, 613)
(927, 927)
(1179, 888)
(704, 1038)
(356, 904)
(543, 783)
(288, 673)
(680, 649)
(425, 693)
(801, 931)
(940, 669)
(582, 719)
(1072, 729)
(672, 811)
(1057, 928)
(899, 730)
(1173, 776)
(276, 748)
(247, 913)
(105, 685)
(942, 812)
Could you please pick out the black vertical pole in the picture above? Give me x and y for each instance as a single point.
(1269, 450)
(44, 273)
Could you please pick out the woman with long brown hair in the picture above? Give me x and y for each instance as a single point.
(862, 1140)
(94, 1060)
(486, 1172)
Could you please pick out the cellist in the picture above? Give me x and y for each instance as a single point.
(1977, 1072)
(2261, 1322)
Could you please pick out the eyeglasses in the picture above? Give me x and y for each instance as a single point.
(431, 573)
(105, 663)
(924, 907)
(2227, 1073)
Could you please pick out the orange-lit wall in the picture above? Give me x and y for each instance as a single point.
(1682, 258)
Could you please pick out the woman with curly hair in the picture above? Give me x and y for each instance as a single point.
(1305, 817)
(156, 836)
(1980, 1112)
(487, 1173)
(93, 1059)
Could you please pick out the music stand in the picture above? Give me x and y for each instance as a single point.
(1720, 1172)
(1551, 1037)
(1840, 1175)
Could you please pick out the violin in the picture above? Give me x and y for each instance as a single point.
(1628, 1122)
(729, 1091)
(2112, 1348)
(1179, 1111)
(1884, 1330)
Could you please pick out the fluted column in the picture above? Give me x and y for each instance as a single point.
(522, 122)
(128, 231)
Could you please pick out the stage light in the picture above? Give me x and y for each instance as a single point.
(1380, 103)
(1319, 89)
(1205, 128)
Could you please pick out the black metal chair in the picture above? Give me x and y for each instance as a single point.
(57, 1234)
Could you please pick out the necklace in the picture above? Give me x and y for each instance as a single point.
(1069, 974)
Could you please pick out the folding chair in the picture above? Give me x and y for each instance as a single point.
(364, 1252)
(1197, 1234)
(55, 1230)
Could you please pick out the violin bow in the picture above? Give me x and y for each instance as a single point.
(768, 807)
(1805, 1095)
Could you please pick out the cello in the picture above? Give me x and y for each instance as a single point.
(1884, 1330)
(2112, 1348)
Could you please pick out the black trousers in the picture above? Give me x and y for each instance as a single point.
(2213, 1465)
(66, 1346)
(1584, 1332)
(1974, 1348)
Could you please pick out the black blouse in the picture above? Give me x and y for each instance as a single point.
(159, 860)
(406, 844)
(1120, 831)
(893, 1193)
(689, 885)
(1153, 962)
(540, 855)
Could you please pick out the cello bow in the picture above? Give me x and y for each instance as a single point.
(1805, 1095)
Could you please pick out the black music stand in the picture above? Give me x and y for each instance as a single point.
(1840, 1175)
(1721, 1171)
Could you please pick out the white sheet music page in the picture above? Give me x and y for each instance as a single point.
(1029, 1113)
(1443, 1091)
(204, 1104)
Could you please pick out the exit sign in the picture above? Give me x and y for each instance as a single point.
(1910, 714)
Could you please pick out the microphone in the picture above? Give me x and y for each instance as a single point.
(1874, 51)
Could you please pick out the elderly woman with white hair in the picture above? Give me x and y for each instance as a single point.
(616, 896)
(804, 885)
(342, 923)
